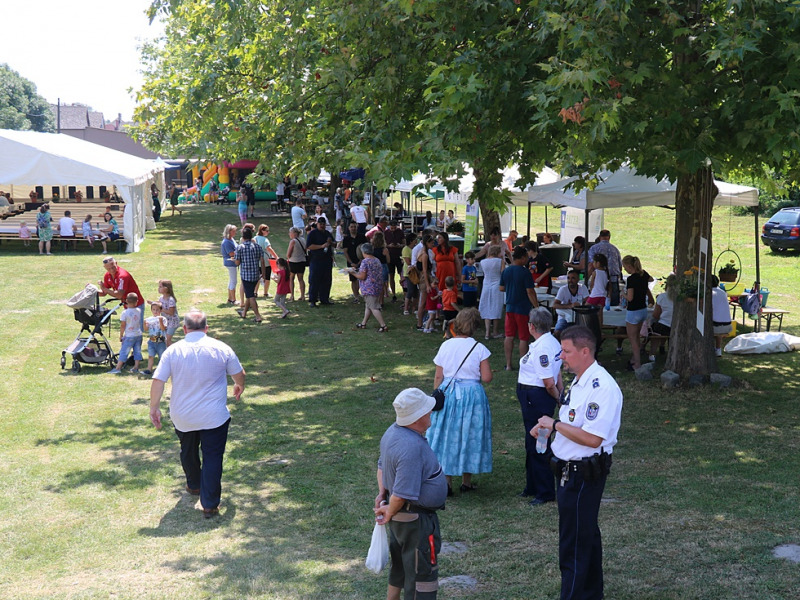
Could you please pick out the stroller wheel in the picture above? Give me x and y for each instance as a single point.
(76, 366)
(63, 361)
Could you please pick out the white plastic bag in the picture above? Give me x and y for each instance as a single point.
(378, 554)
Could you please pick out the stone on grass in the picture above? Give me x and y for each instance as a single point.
(670, 379)
(720, 380)
(790, 552)
(453, 548)
(645, 372)
(696, 380)
(464, 582)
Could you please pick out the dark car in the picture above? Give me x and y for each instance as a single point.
(782, 231)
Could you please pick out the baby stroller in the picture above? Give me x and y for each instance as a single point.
(91, 346)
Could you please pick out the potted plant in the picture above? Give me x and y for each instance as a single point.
(78, 196)
(729, 272)
(456, 227)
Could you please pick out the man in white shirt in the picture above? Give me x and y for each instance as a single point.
(66, 229)
(199, 366)
(585, 435)
(359, 215)
(299, 215)
(569, 296)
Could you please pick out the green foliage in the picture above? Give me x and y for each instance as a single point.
(21, 107)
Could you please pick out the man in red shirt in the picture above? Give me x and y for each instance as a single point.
(117, 282)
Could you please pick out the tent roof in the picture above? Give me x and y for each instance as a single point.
(33, 158)
(626, 188)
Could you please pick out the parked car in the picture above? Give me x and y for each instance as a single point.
(782, 231)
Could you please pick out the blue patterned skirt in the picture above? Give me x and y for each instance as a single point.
(461, 433)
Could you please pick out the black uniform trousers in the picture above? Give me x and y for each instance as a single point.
(320, 279)
(539, 481)
(580, 548)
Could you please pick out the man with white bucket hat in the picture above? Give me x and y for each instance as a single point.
(412, 487)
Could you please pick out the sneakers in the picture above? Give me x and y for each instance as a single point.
(718, 352)
(115, 372)
(134, 371)
(420, 328)
(619, 351)
(427, 330)
(147, 372)
(652, 358)
(406, 313)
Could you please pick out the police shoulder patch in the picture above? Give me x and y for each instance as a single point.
(592, 410)
(543, 360)
(595, 383)
(571, 415)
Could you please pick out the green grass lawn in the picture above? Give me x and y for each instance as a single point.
(704, 483)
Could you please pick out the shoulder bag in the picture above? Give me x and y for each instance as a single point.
(439, 394)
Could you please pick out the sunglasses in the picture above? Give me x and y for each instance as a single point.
(107, 260)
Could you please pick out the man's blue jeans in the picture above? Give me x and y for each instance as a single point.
(208, 477)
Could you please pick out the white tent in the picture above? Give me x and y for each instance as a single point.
(33, 158)
(626, 188)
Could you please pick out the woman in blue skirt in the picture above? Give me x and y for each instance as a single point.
(461, 433)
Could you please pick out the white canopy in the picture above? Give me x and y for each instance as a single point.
(33, 158)
(625, 188)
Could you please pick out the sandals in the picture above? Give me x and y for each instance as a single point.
(468, 488)
(383, 329)
(360, 326)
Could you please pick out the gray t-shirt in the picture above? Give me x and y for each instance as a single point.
(410, 468)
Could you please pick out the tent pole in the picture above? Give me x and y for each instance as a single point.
(546, 226)
(586, 247)
(529, 220)
(758, 261)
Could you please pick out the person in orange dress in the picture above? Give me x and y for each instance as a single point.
(448, 263)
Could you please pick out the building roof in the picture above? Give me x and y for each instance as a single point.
(77, 116)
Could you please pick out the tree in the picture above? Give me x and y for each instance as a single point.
(340, 84)
(20, 106)
(681, 89)
(677, 88)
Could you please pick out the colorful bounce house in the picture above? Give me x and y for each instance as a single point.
(221, 174)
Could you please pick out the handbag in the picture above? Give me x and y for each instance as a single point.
(439, 394)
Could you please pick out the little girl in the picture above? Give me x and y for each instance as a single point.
(339, 233)
(89, 234)
(598, 282)
(169, 308)
(432, 305)
(25, 234)
(281, 277)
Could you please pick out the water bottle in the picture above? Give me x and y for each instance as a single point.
(608, 303)
(541, 441)
(623, 302)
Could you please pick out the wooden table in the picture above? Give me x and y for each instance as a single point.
(767, 314)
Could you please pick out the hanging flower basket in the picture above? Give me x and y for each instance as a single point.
(729, 272)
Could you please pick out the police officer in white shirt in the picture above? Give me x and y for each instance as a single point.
(585, 435)
(539, 387)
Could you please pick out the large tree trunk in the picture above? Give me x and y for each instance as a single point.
(691, 353)
(490, 218)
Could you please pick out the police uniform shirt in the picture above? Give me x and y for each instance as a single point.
(595, 405)
(542, 361)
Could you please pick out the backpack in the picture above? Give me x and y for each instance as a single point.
(413, 275)
(751, 302)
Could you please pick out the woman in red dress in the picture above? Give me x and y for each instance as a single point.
(448, 262)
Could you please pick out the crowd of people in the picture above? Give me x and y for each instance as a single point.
(569, 430)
